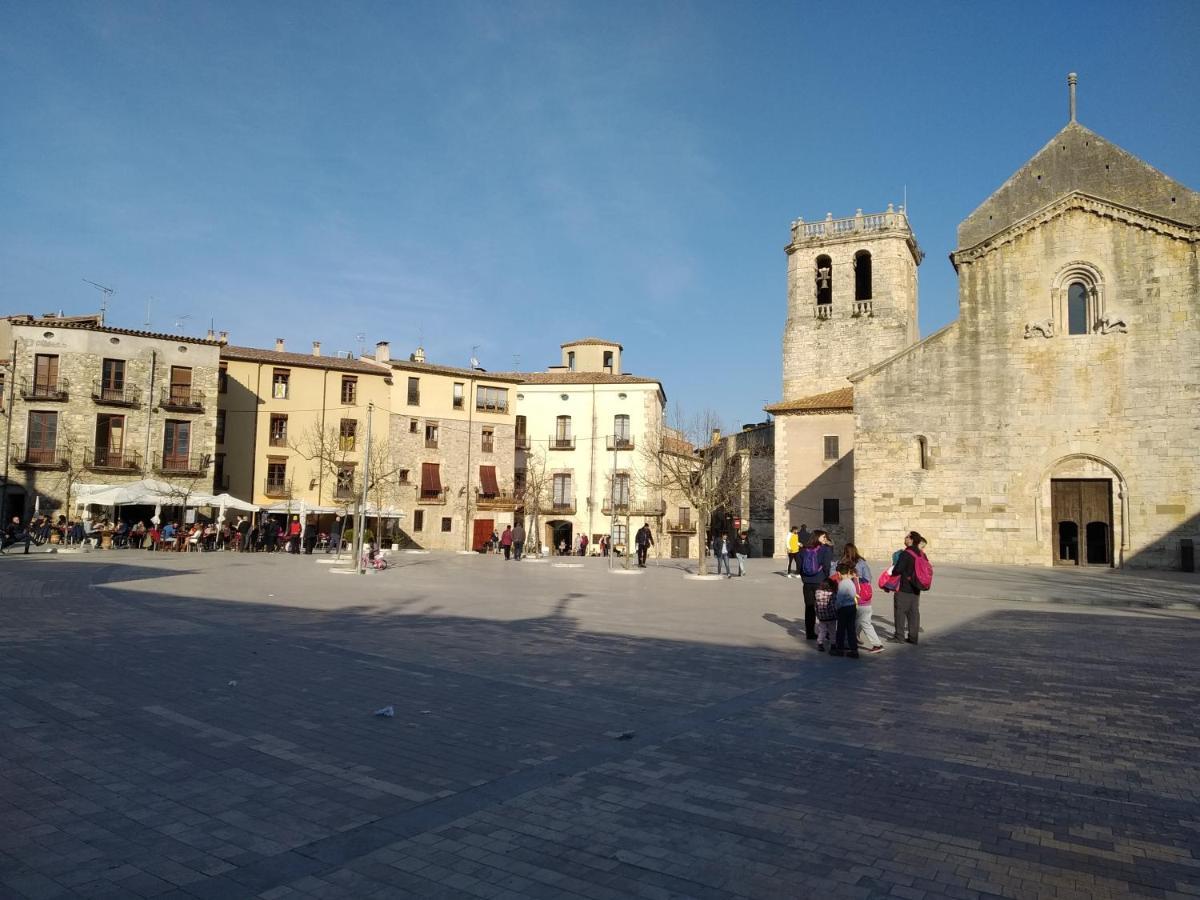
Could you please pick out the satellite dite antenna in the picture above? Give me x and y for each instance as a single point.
(104, 289)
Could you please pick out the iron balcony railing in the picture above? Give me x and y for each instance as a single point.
(181, 463)
(620, 442)
(183, 399)
(563, 507)
(45, 390)
(116, 395)
(106, 459)
(346, 491)
(273, 488)
(633, 507)
(432, 498)
(499, 501)
(25, 457)
(683, 526)
(562, 443)
(522, 442)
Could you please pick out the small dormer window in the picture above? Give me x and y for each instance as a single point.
(571, 360)
(608, 360)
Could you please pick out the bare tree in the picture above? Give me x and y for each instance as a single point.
(679, 459)
(533, 493)
(69, 451)
(328, 451)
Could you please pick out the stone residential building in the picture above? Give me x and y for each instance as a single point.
(291, 427)
(753, 511)
(88, 403)
(453, 435)
(587, 422)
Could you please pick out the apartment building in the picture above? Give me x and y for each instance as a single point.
(453, 436)
(291, 428)
(582, 427)
(86, 403)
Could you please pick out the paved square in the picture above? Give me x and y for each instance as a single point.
(202, 726)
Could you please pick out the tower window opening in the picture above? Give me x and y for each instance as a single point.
(824, 279)
(1077, 308)
(862, 275)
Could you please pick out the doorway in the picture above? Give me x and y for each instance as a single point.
(482, 533)
(1082, 513)
(558, 532)
(680, 546)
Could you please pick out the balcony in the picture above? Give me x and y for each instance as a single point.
(431, 443)
(863, 308)
(102, 459)
(346, 491)
(39, 457)
(872, 223)
(181, 463)
(561, 509)
(683, 526)
(432, 498)
(562, 443)
(823, 310)
(277, 489)
(182, 399)
(522, 442)
(633, 508)
(504, 500)
(107, 395)
(44, 390)
(620, 442)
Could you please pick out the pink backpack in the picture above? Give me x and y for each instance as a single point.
(922, 569)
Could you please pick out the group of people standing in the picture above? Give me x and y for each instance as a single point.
(838, 592)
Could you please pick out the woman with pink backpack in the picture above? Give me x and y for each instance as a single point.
(914, 574)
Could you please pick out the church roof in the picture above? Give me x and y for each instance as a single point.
(1079, 160)
(841, 400)
(588, 341)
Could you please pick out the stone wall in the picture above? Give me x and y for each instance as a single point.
(804, 479)
(1003, 413)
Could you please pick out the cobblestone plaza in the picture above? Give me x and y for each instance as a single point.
(202, 726)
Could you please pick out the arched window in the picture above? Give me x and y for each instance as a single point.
(862, 275)
(1077, 308)
(824, 279)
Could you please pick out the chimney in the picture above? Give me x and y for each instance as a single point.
(316, 348)
(418, 355)
(278, 345)
(224, 337)
(383, 352)
(716, 435)
(211, 336)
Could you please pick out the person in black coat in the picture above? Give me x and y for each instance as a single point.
(907, 603)
(310, 537)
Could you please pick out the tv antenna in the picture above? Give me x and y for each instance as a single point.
(361, 337)
(104, 289)
(516, 362)
(180, 321)
(474, 358)
(149, 303)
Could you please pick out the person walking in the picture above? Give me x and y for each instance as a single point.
(506, 540)
(583, 544)
(908, 592)
(720, 548)
(863, 623)
(295, 531)
(645, 540)
(310, 537)
(845, 603)
(793, 551)
(816, 564)
(741, 549)
(518, 541)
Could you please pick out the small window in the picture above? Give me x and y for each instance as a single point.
(280, 382)
(1077, 308)
(831, 448)
(414, 427)
(488, 440)
(922, 452)
(447, 523)
(220, 426)
(349, 390)
(279, 422)
(404, 476)
(491, 399)
(223, 379)
(414, 391)
(348, 434)
(431, 435)
(458, 395)
(571, 360)
(418, 520)
(608, 360)
(832, 511)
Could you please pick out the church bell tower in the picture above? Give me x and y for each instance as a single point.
(852, 298)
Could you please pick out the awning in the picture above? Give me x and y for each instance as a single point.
(487, 479)
(431, 480)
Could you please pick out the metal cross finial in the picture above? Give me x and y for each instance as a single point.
(1072, 78)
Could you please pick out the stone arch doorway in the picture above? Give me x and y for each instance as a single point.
(1086, 500)
(558, 530)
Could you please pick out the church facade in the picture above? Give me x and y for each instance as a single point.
(1057, 420)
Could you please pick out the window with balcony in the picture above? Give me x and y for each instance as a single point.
(279, 430)
(431, 435)
(45, 376)
(458, 395)
(177, 445)
(276, 485)
(112, 379)
(42, 441)
(487, 440)
(110, 441)
(414, 391)
(562, 491)
(622, 435)
(181, 385)
(220, 426)
(348, 434)
(491, 399)
(562, 433)
(344, 487)
(522, 435)
(685, 517)
(349, 390)
(431, 480)
(281, 381)
(620, 488)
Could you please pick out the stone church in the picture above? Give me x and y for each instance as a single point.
(1055, 422)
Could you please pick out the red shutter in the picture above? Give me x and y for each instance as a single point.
(487, 478)
(431, 480)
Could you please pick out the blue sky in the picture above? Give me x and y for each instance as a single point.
(509, 176)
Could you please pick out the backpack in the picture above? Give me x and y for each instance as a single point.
(888, 580)
(810, 562)
(865, 593)
(824, 605)
(922, 570)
